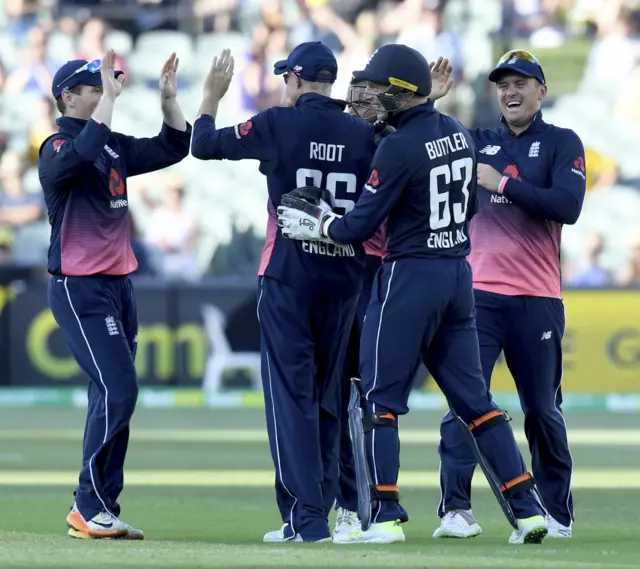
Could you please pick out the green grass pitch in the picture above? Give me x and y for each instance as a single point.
(200, 484)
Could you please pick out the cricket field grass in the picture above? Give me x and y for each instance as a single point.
(200, 484)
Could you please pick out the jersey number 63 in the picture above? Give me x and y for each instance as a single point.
(441, 188)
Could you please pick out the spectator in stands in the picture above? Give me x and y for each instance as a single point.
(92, 44)
(590, 273)
(42, 125)
(17, 207)
(617, 42)
(603, 172)
(22, 15)
(630, 274)
(261, 89)
(35, 71)
(419, 24)
(350, 33)
(535, 21)
(172, 233)
(215, 15)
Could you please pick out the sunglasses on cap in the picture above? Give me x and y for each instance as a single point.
(90, 66)
(519, 54)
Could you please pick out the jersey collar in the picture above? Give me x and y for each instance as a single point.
(320, 101)
(402, 119)
(537, 124)
(70, 125)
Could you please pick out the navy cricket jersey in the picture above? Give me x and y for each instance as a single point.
(423, 182)
(312, 143)
(516, 233)
(83, 171)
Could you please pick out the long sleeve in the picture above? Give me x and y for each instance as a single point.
(562, 202)
(63, 157)
(249, 140)
(144, 155)
(388, 176)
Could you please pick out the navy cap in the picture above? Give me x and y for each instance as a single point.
(399, 65)
(519, 62)
(307, 60)
(66, 77)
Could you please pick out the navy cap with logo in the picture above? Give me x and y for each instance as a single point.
(519, 62)
(77, 72)
(312, 61)
(398, 65)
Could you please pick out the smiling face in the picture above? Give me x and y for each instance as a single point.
(520, 98)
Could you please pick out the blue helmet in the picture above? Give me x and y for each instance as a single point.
(403, 69)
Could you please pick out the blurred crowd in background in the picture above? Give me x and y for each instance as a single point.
(200, 218)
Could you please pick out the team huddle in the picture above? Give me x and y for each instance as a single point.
(386, 248)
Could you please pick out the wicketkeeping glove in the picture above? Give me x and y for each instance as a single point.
(305, 214)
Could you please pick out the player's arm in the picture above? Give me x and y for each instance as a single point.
(63, 157)
(250, 140)
(143, 155)
(562, 202)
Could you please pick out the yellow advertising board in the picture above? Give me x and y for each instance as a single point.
(601, 344)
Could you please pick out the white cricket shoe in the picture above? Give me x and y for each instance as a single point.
(530, 530)
(557, 530)
(277, 536)
(459, 524)
(101, 526)
(346, 521)
(385, 532)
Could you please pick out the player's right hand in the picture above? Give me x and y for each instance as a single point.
(219, 77)
(111, 87)
(441, 81)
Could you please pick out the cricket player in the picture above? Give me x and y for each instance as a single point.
(347, 517)
(83, 170)
(422, 179)
(308, 291)
(532, 182)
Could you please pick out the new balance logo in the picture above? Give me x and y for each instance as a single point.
(534, 150)
(546, 336)
(111, 152)
(112, 327)
(490, 150)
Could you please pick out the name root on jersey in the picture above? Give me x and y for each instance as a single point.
(329, 249)
(446, 239)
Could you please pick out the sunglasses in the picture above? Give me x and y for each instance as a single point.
(90, 66)
(519, 54)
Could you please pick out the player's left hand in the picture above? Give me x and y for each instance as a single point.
(488, 177)
(168, 78)
(302, 226)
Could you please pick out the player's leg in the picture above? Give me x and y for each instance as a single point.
(114, 482)
(457, 460)
(453, 357)
(291, 408)
(534, 356)
(331, 322)
(347, 518)
(85, 310)
(391, 339)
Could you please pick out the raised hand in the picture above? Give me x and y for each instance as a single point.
(441, 81)
(168, 78)
(219, 77)
(111, 87)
